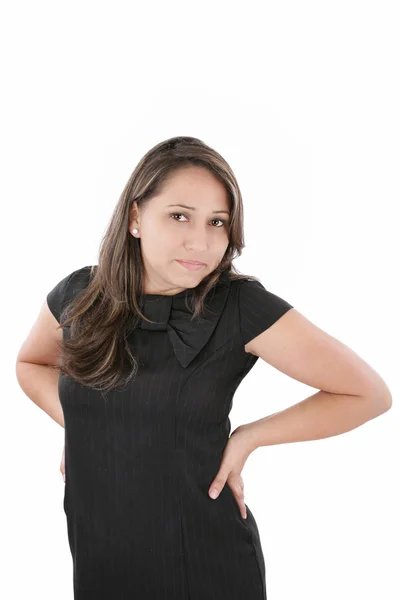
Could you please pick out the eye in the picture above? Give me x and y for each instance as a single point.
(179, 215)
(183, 214)
(222, 221)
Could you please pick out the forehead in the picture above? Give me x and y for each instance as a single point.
(194, 185)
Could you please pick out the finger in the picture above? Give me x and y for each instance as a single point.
(242, 506)
(238, 492)
(217, 484)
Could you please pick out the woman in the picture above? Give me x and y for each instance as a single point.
(150, 345)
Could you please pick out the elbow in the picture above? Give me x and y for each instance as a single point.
(377, 392)
(385, 398)
(381, 399)
(387, 402)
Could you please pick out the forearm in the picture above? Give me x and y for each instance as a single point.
(319, 416)
(40, 384)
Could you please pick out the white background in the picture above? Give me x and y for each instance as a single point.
(302, 99)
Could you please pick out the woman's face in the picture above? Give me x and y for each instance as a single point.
(188, 221)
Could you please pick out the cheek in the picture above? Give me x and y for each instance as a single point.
(223, 240)
(157, 238)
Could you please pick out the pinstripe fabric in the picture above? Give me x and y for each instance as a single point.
(139, 463)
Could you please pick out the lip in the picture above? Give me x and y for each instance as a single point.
(191, 265)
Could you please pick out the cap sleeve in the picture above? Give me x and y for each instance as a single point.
(55, 298)
(258, 309)
(65, 290)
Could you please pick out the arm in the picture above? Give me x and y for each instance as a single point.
(351, 391)
(34, 371)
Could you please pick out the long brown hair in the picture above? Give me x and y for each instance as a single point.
(100, 356)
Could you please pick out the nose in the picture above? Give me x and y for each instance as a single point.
(197, 240)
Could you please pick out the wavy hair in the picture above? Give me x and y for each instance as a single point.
(100, 357)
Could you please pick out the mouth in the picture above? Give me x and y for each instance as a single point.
(191, 264)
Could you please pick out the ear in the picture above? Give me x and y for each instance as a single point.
(134, 216)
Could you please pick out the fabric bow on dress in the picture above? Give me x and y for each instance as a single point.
(171, 313)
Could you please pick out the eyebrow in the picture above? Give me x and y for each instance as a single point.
(193, 208)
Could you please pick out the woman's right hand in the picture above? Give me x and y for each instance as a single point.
(62, 465)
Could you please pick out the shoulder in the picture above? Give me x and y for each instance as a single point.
(80, 277)
(67, 288)
(252, 289)
(259, 308)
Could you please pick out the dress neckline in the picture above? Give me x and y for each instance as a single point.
(223, 278)
(178, 295)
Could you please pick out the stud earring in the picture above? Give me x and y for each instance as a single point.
(135, 230)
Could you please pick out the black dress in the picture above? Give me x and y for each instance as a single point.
(139, 462)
